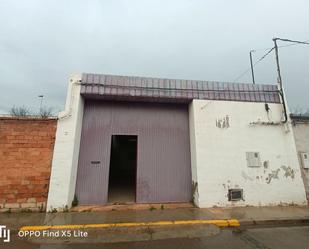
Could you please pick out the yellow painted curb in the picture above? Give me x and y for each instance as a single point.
(219, 223)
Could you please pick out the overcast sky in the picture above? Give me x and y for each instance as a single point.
(43, 42)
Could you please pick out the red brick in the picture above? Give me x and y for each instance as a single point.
(26, 148)
(21, 200)
(10, 196)
(41, 199)
(11, 200)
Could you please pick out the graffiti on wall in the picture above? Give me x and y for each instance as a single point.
(223, 123)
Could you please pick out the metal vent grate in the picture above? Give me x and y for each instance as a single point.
(235, 194)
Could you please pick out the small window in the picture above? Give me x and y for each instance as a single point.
(253, 159)
(235, 194)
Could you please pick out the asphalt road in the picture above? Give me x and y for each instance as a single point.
(256, 238)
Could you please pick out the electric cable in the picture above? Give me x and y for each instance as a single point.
(269, 51)
(258, 61)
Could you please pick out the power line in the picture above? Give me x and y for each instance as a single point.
(294, 41)
(283, 46)
(269, 51)
(242, 74)
(293, 44)
(258, 61)
(279, 72)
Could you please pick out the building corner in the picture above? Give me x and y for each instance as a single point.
(65, 156)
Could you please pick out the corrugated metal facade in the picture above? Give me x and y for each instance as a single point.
(163, 160)
(172, 90)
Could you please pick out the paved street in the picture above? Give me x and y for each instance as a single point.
(15, 221)
(168, 236)
(256, 238)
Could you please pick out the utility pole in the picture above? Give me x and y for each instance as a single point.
(280, 80)
(277, 63)
(279, 72)
(252, 72)
(41, 102)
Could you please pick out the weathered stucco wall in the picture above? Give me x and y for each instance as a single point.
(26, 149)
(301, 134)
(221, 135)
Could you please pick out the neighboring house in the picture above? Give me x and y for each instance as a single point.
(124, 139)
(301, 134)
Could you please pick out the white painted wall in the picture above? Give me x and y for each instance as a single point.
(219, 154)
(301, 134)
(66, 150)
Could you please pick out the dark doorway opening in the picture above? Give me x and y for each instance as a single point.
(122, 171)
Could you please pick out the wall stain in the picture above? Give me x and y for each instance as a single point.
(194, 192)
(223, 123)
(288, 171)
(272, 175)
(245, 176)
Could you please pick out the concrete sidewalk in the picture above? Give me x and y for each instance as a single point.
(245, 215)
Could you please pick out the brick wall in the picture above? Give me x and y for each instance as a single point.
(26, 150)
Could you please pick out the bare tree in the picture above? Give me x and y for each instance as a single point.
(300, 111)
(46, 112)
(21, 111)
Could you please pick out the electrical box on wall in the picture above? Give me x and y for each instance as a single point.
(305, 159)
(253, 159)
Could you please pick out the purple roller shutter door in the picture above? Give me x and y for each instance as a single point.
(163, 158)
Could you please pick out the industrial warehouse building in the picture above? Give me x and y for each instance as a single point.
(124, 139)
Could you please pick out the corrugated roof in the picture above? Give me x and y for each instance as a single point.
(173, 90)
